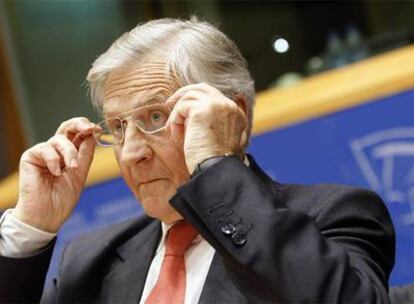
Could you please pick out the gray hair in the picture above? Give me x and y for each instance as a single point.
(195, 52)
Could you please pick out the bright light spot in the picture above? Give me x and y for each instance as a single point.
(281, 45)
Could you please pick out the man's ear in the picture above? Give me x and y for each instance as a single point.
(241, 102)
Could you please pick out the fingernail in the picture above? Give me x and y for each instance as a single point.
(74, 163)
(87, 125)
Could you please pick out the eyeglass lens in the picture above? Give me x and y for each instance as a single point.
(149, 119)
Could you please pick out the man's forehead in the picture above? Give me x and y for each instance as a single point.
(136, 85)
(130, 69)
(139, 99)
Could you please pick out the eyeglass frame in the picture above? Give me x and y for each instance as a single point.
(124, 117)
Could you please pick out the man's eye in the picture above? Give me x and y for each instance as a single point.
(156, 116)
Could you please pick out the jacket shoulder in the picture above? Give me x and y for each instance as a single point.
(119, 231)
(111, 236)
(318, 197)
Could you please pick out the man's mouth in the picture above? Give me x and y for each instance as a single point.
(149, 181)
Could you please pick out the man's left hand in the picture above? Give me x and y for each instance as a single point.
(207, 123)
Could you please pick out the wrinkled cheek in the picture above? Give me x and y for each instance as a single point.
(125, 172)
(175, 160)
(181, 167)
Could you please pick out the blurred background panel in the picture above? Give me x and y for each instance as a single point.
(51, 45)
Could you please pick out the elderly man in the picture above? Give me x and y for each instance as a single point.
(177, 98)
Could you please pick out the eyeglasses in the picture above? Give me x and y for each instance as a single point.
(148, 119)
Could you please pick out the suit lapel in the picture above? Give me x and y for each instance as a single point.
(125, 282)
(218, 287)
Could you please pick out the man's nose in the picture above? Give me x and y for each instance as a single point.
(135, 148)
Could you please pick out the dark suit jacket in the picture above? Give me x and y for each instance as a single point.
(274, 243)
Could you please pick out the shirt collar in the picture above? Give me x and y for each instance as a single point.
(164, 230)
(246, 161)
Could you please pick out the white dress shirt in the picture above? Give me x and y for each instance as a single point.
(19, 240)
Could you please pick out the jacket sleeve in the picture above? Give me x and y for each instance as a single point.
(341, 250)
(22, 279)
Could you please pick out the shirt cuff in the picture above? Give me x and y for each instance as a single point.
(20, 240)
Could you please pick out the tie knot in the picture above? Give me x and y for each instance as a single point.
(179, 238)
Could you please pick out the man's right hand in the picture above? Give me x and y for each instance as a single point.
(52, 175)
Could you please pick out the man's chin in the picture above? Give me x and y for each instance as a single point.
(161, 210)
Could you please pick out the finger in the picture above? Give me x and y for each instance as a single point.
(181, 92)
(44, 155)
(180, 113)
(181, 108)
(85, 155)
(77, 129)
(74, 126)
(67, 149)
(80, 137)
(178, 120)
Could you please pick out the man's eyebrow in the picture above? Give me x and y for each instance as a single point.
(138, 104)
(150, 101)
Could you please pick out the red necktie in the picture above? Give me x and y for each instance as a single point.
(170, 287)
